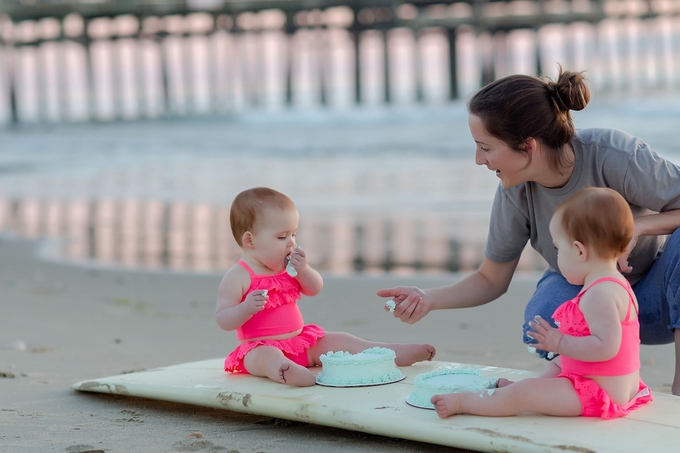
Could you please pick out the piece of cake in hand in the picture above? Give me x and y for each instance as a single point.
(373, 366)
(447, 380)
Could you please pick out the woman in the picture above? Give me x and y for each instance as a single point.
(525, 134)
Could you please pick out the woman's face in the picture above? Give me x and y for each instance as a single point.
(509, 165)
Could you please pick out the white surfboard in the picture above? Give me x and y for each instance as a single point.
(383, 410)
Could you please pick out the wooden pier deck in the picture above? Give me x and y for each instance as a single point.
(26, 30)
(486, 14)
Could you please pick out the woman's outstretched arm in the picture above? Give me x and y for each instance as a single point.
(486, 284)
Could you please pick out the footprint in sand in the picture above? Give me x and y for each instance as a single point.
(197, 444)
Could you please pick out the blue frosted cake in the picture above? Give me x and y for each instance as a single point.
(370, 367)
(447, 380)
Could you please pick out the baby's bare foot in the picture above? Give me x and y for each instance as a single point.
(294, 374)
(446, 405)
(408, 354)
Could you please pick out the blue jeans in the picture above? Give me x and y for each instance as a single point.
(658, 295)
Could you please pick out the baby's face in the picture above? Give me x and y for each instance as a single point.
(274, 240)
(568, 261)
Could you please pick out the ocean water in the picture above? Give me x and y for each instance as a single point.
(383, 189)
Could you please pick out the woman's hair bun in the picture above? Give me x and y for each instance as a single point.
(570, 91)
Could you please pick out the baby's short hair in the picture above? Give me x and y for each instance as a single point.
(599, 218)
(248, 206)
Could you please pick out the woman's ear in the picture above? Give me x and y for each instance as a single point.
(247, 239)
(530, 146)
(582, 250)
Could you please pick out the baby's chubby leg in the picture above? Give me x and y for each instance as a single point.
(549, 396)
(267, 361)
(407, 353)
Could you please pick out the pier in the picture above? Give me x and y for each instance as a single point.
(126, 62)
(112, 60)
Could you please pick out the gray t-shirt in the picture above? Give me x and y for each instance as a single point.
(603, 158)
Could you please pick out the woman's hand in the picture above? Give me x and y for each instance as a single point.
(411, 303)
(547, 337)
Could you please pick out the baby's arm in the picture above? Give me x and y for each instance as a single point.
(600, 309)
(230, 313)
(310, 280)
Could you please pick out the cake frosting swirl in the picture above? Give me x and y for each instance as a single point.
(447, 380)
(370, 367)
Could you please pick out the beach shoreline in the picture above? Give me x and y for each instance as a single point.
(66, 322)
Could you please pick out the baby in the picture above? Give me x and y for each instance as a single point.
(258, 297)
(598, 371)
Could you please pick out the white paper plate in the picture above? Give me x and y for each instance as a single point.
(410, 401)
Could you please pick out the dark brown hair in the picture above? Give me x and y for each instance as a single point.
(518, 107)
(599, 218)
(248, 206)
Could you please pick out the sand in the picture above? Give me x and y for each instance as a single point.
(65, 322)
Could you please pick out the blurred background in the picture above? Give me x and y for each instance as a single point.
(127, 127)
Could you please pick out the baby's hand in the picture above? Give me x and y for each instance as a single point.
(547, 337)
(256, 300)
(297, 261)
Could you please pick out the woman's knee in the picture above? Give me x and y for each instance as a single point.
(551, 291)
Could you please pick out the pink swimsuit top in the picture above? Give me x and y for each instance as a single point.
(572, 322)
(281, 313)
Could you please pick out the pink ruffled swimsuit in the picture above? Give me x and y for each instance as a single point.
(595, 401)
(281, 315)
